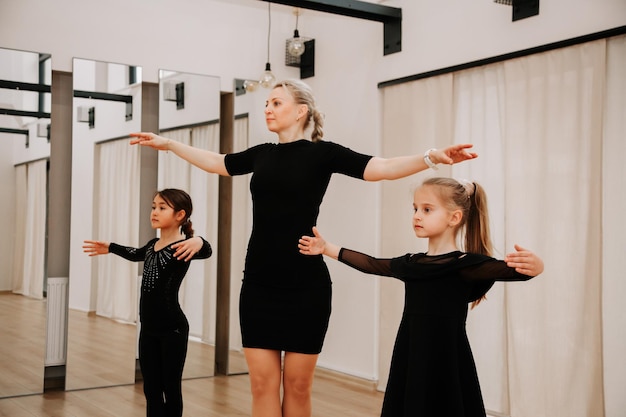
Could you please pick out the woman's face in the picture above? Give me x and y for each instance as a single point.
(281, 111)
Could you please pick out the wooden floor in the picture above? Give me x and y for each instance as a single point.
(334, 395)
(21, 374)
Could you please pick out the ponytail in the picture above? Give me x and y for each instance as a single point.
(471, 199)
(186, 228)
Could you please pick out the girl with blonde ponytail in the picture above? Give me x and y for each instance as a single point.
(432, 369)
(281, 288)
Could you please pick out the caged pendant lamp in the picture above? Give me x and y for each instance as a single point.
(295, 45)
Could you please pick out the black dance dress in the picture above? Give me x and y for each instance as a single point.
(285, 298)
(164, 330)
(432, 368)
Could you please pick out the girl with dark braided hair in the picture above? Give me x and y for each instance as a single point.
(164, 330)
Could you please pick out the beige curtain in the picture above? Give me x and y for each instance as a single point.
(614, 229)
(116, 208)
(537, 123)
(30, 229)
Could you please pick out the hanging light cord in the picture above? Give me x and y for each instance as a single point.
(269, 29)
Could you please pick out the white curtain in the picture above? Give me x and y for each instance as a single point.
(537, 123)
(614, 229)
(30, 229)
(116, 208)
(197, 292)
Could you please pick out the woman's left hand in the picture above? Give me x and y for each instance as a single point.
(452, 154)
(524, 261)
(186, 249)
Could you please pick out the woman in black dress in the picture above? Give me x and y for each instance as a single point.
(164, 330)
(285, 297)
(432, 368)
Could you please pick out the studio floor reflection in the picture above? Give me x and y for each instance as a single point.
(22, 350)
(101, 350)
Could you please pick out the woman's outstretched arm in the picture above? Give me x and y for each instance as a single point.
(402, 166)
(206, 160)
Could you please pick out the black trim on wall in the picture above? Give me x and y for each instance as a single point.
(390, 17)
(499, 58)
(189, 126)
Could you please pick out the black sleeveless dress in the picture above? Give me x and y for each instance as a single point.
(285, 298)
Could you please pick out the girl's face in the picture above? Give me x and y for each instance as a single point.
(281, 111)
(163, 215)
(431, 218)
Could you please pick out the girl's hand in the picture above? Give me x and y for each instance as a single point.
(312, 245)
(524, 261)
(150, 139)
(452, 154)
(186, 249)
(95, 247)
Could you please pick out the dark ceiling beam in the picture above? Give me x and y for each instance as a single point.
(391, 17)
(14, 131)
(96, 95)
(25, 113)
(16, 85)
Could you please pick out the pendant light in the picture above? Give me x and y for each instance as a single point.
(267, 78)
(295, 45)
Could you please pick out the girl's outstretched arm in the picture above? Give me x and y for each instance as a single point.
(95, 247)
(206, 160)
(524, 261)
(316, 245)
(402, 166)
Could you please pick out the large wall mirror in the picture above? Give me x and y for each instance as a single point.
(103, 290)
(189, 112)
(25, 105)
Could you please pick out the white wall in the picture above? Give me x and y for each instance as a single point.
(227, 38)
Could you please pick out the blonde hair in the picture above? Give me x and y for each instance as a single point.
(302, 94)
(471, 199)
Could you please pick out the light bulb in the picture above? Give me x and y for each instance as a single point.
(296, 45)
(267, 79)
(250, 86)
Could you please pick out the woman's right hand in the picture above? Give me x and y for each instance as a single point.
(95, 247)
(150, 139)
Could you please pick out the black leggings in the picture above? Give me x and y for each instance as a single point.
(162, 358)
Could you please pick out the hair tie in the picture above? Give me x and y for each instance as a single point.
(470, 187)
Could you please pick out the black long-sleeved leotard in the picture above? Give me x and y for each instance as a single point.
(432, 369)
(159, 308)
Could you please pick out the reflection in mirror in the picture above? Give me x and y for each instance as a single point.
(249, 129)
(189, 111)
(25, 103)
(103, 291)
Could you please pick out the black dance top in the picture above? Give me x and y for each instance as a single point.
(162, 275)
(432, 367)
(287, 186)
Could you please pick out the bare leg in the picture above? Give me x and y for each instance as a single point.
(299, 369)
(264, 369)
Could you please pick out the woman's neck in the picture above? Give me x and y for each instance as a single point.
(290, 135)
